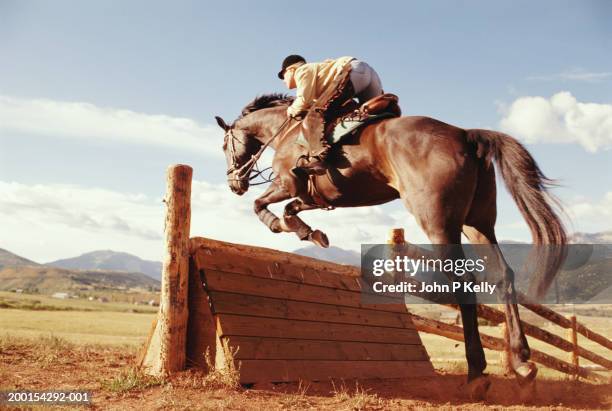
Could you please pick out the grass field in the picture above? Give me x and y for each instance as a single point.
(84, 322)
(76, 320)
(47, 303)
(46, 343)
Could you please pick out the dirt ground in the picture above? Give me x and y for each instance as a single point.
(108, 373)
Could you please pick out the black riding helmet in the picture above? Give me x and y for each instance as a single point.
(289, 61)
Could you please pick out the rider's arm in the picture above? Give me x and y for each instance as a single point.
(304, 96)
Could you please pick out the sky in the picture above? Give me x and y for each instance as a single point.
(97, 98)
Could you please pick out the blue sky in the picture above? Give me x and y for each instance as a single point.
(97, 98)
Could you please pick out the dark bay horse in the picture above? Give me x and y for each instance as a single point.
(443, 175)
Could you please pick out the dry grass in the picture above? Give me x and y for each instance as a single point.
(55, 349)
(358, 399)
(130, 379)
(108, 373)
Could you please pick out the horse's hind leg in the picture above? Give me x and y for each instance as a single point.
(292, 223)
(496, 263)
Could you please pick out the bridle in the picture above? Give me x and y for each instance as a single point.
(242, 172)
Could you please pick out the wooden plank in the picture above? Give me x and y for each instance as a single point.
(238, 325)
(257, 348)
(269, 287)
(231, 303)
(253, 371)
(496, 316)
(241, 259)
(456, 333)
(267, 253)
(560, 320)
(201, 333)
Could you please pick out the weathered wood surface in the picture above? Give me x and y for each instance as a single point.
(168, 342)
(261, 348)
(560, 320)
(288, 317)
(505, 355)
(253, 371)
(498, 317)
(572, 336)
(248, 305)
(229, 324)
(266, 287)
(456, 333)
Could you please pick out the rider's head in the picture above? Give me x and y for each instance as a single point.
(287, 72)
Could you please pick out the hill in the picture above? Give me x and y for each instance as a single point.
(333, 254)
(9, 259)
(602, 237)
(111, 260)
(47, 280)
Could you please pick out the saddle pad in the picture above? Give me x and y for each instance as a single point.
(345, 128)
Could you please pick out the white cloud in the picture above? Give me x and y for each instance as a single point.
(47, 222)
(80, 120)
(595, 212)
(560, 119)
(576, 74)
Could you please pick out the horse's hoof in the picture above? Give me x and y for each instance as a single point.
(276, 227)
(526, 372)
(478, 388)
(319, 238)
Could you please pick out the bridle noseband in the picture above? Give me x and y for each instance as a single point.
(232, 149)
(243, 171)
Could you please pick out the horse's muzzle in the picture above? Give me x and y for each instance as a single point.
(238, 186)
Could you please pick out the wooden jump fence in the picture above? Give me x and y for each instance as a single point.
(495, 316)
(274, 316)
(284, 317)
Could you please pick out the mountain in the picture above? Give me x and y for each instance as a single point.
(9, 259)
(47, 280)
(111, 260)
(603, 237)
(333, 254)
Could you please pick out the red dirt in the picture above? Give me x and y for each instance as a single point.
(36, 367)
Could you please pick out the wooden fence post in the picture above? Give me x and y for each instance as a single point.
(572, 336)
(169, 336)
(396, 237)
(505, 354)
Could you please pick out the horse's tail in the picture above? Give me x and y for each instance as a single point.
(529, 188)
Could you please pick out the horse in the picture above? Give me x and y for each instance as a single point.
(445, 177)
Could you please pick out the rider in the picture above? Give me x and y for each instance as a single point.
(321, 89)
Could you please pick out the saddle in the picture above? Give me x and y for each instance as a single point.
(385, 103)
(352, 117)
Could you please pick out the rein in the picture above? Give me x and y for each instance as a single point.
(245, 170)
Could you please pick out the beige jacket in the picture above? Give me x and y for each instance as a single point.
(314, 80)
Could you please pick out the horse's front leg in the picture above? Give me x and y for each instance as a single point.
(274, 194)
(292, 223)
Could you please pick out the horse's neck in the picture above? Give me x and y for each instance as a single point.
(269, 127)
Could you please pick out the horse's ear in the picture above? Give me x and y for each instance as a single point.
(221, 123)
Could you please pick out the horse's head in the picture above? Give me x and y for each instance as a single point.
(239, 145)
(247, 134)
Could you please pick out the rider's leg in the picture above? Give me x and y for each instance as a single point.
(365, 80)
(314, 127)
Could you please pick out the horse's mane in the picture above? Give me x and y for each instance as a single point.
(266, 101)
